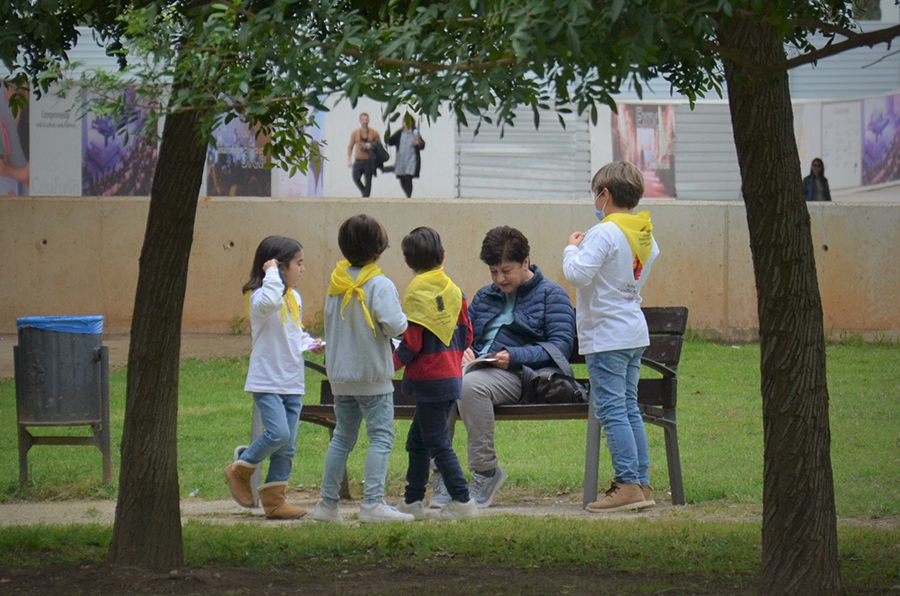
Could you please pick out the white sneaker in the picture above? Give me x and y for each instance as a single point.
(455, 510)
(382, 513)
(439, 494)
(327, 513)
(417, 509)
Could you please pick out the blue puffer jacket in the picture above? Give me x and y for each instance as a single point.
(543, 312)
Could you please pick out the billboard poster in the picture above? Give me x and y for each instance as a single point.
(841, 145)
(881, 140)
(645, 136)
(15, 146)
(236, 164)
(116, 159)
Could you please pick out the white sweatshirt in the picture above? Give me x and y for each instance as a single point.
(276, 360)
(608, 298)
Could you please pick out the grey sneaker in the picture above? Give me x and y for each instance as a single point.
(439, 494)
(327, 513)
(417, 509)
(455, 510)
(483, 489)
(382, 513)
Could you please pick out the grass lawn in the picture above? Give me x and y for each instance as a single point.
(720, 435)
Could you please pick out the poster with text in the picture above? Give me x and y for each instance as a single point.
(15, 147)
(841, 148)
(56, 138)
(116, 158)
(881, 140)
(645, 136)
(236, 164)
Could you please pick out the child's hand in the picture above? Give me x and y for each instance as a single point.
(318, 346)
(576, 238)
(270, 263)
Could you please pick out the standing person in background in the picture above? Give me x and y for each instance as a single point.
(609, 265)
(358, 156)
(409, 144)
(816, 184)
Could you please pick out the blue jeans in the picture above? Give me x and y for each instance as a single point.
(614, 380)
(279, 414)
(429, 438)
(349, 412)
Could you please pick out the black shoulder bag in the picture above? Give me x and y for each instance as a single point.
(552, 384)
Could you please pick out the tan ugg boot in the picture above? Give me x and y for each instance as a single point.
(271, 495)
(238, 474)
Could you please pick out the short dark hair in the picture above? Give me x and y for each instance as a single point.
(504, 243)
(280, 248)
(423, 249)
(362, 239)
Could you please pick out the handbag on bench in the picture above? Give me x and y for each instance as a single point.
(552, 384)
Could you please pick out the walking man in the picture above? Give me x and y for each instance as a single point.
(358, 156)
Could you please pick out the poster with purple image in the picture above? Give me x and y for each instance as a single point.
(881, 140)
(116, 159)
(235, 165)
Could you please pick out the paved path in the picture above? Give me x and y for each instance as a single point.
(200, 346)
(228, 512)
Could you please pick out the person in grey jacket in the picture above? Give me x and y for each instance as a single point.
(509, 317)
(362, 314)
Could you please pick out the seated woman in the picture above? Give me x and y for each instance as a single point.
(520, 308)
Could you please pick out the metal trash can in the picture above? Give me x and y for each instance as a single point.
(62, 379)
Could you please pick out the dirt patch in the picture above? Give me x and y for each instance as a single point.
(388, 580)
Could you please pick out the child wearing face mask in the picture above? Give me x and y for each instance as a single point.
(609, 265)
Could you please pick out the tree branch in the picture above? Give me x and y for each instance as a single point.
(857, 40)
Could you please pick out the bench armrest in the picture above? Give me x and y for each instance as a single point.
(660, 368)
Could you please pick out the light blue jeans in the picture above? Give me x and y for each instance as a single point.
(349, 412)
(279, 414)
(614, 379)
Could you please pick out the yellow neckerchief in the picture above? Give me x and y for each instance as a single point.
(433, 301)
(342, 283)
(639, 232)
(290, 306)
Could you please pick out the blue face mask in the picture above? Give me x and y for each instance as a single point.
(599, 212)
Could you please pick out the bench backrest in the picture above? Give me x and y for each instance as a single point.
(666, 326)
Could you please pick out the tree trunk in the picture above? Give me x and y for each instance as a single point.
(147, 529)
(799, 533)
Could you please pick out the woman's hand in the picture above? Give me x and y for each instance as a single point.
(468, 356)
(270, 263)
(502, 360)
(319, 346)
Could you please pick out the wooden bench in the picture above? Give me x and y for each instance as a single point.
(657, 398)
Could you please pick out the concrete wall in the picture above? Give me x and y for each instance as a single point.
(80, 255)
